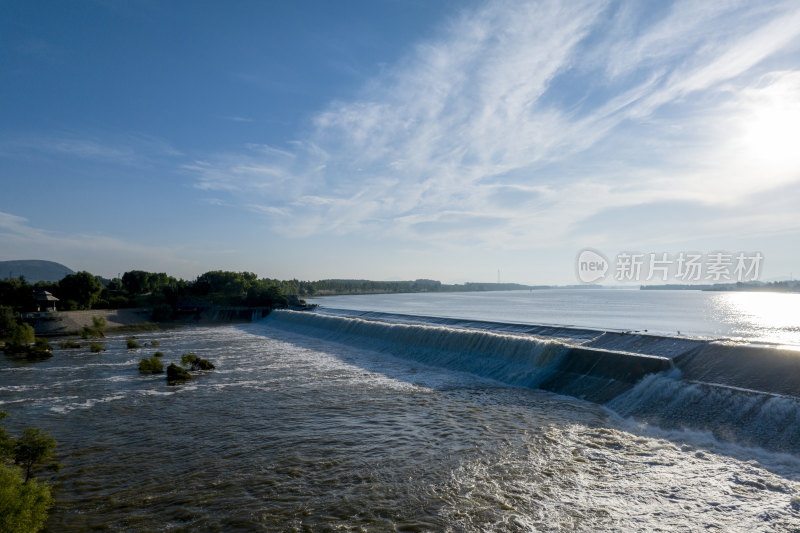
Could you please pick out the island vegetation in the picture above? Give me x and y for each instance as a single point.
(196, 363)
(177, 374)
(153, 365)
(131, 343)
(19, 340)
(96, 348)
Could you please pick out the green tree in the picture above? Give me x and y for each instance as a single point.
(82, 288)
(135, 282)
(17, 293)
(224, 286)
(32, 449)
(6, 441)
(21, 336)
(8, 320)
(265, 295)
(23, 504)
(140, 282)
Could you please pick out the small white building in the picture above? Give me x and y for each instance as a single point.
(46, 302)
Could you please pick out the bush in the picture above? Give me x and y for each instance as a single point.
(68, 344)
(21, 336)
(159, 354)
(96, 348)
(132, 344)
(202, 364)
(96, 329)
(188, 358)
(41, 349)
(155, 343)
(196, 363)
(177, 374)
(41, 344)
(152, 365)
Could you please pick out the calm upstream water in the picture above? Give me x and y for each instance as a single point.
(754, 316)
(334, 423)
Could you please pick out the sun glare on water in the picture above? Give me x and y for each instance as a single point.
(777, 312)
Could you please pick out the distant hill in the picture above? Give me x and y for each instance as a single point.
(34, 270)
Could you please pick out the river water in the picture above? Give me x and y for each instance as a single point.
(772, 317)
(303, 428)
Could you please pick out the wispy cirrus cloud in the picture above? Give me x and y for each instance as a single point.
(238, 119)
(132, 150)
(523, 119)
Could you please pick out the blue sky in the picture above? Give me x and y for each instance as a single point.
(397, 139)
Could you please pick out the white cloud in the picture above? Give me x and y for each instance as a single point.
(522, 119)
(238, 119)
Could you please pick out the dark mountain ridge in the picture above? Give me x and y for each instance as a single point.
(34, 270)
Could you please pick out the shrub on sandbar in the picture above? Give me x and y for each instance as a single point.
(68, 344)
(177, 374)
(152, 365)
(131, 343)
(196, 363)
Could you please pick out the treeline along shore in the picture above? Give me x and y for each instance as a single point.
(140, 297)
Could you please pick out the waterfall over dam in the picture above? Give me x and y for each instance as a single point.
(744, 392)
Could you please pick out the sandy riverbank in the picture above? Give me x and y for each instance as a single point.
(63, 323)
